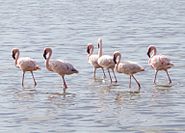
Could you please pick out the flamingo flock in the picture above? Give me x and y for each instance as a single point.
(112, 62)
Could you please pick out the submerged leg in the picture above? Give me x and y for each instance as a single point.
(170, 81)
(110, 75)
(23, 78)
(114, 75)
(35, 83)
(130, 82)
(94, 73)
(104, 76)
(139, 86)
(65, 85)
(155, 77)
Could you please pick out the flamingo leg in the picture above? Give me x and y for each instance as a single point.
(110, 75)
(65, 85)
(94, 71)
(170, 81)
(155, 77)
(104, 76)
(35, 83)
(137, 82)
(23, 78)
(114, 75)
(130, 82)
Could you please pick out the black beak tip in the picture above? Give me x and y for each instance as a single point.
(13, 56)
(88, 51)
(44, 55)
(148, 53)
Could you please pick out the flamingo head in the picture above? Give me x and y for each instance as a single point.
(15, 53)
(46, 51)
(115, 57)
(151, 48)
(90, 48)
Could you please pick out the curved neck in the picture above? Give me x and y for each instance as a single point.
(100, 50)
(91, 50)
(117, 58)
(152, 51)
(16, 57)
(47, 61)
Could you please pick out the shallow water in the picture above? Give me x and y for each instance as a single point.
(91, 106)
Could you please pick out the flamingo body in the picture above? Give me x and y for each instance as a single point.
(25, 64)
(93, 59)
(158, 62)
(106, 61)
(127, 67)
(58, 66)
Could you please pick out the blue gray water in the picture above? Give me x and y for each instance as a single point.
(91, 106)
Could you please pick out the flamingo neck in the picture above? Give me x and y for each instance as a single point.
(17, 57)
(100, 51)
(47, 61)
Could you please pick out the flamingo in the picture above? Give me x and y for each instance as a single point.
(93, 58)
(58, 66)
(158, 62)
(25, 64)
(106, 61)
(127, 67)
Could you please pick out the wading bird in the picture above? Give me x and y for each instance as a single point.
(106, 61)
(25, 64)
(127, 67)
(93, 59)
(158, 62)
(58, 66)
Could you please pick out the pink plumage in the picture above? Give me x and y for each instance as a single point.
(93, 59)
(58, 66)
(106, 61)
(25, 64)
(127, 67)
(158, 62)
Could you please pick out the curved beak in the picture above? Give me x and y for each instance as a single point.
(114, 59)
(88, 50)
(13, 55)
(148, 53)
(44, 55)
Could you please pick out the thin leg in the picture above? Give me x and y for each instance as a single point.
(130, 82)
(104, 76)
(65, 85)
(94, 71)
(155, 76)
(110, 75)
(35, 83)
(139, 86)
(23, 78)
(170, 81)
(114, 75)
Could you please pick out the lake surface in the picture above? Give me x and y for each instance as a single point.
(91, 106)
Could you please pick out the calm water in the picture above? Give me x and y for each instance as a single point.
(91, 106)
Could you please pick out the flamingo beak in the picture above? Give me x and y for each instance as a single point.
(13, 55)
(98, 45)
(88, 50)
(148, 53)
(114, 59)
(44, 55)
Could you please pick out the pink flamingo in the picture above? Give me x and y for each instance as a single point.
(158, 62)
(106, 61)
(127, 67)
(93, 59)
(25, 64)
(58, 66)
